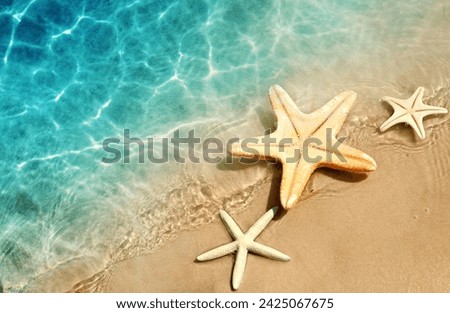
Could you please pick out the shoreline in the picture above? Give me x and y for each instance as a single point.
(349, 233)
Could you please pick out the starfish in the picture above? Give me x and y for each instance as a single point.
(243, 243)
(411, 111)
(304, 142)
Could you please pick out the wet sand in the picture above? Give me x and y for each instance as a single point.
(382, 232)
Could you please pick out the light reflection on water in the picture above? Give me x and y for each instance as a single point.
(74, 74)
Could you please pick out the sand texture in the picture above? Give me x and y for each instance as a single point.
(383, 232)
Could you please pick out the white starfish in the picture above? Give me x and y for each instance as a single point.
(411, 111)
(243, 243)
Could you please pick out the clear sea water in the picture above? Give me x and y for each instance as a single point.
(73, 73)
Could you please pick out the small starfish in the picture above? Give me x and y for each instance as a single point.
(411, 111)
(305, 142)
(243, 243)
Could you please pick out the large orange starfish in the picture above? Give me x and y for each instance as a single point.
(304, 142)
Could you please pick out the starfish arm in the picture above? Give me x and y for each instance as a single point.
(346, 158)
(218, 252)
(261, 224)
(429, 110)
(295, 177)
(399, 116)
(239, 267)
(416, 122)
(416, 98)
(256, 148)
(342, 104)
(233, 228)
(287, 113)
(267, 252)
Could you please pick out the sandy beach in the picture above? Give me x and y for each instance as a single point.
(98, 101)
(383, 232)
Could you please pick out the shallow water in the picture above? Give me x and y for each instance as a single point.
(74, 74)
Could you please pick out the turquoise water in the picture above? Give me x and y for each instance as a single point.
(75, 73)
